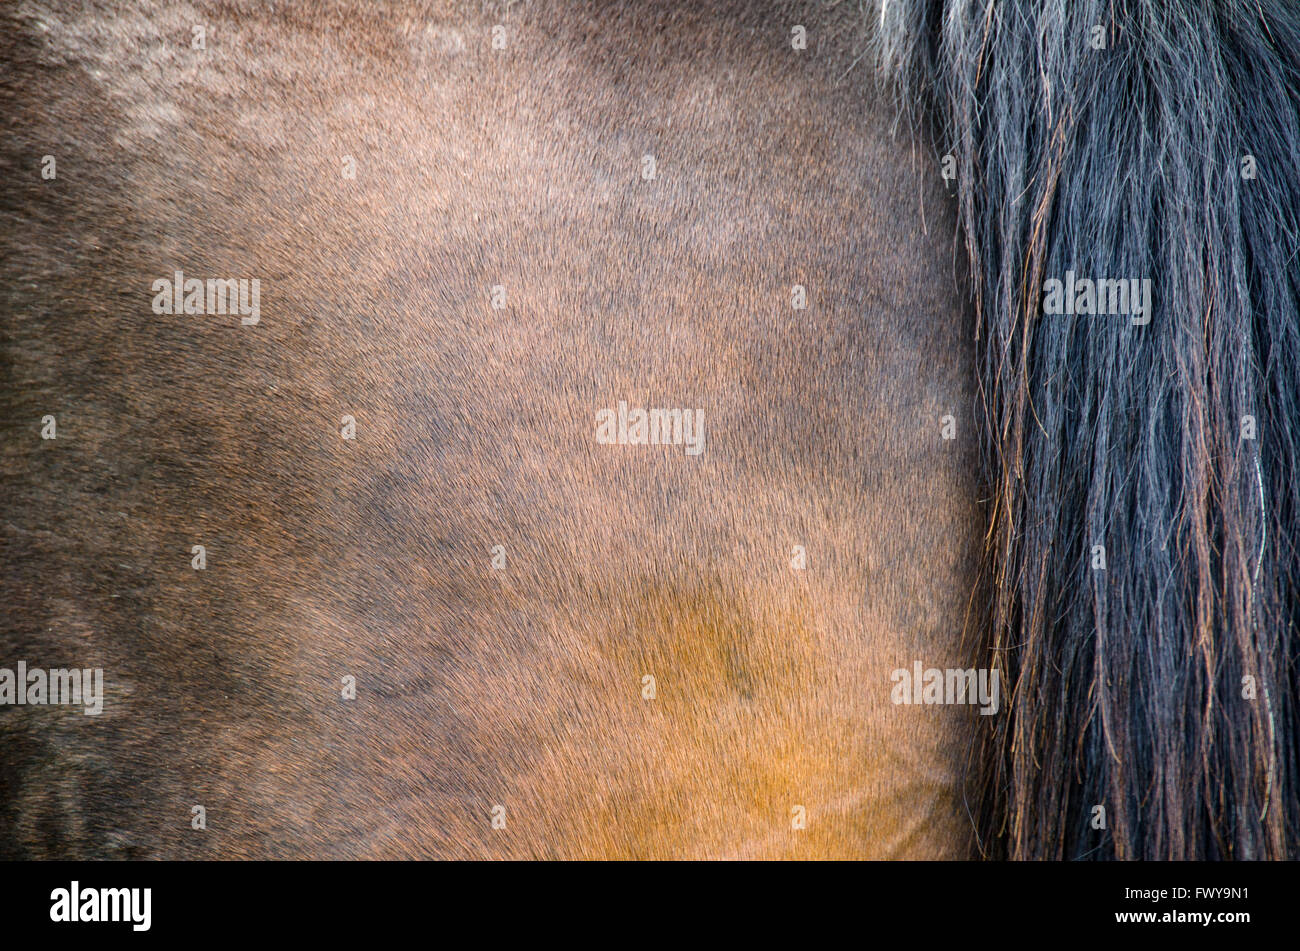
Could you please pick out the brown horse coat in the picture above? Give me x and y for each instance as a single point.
(380, 171)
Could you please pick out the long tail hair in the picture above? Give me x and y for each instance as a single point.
(1144, 478)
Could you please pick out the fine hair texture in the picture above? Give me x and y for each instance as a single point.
(1152, 701)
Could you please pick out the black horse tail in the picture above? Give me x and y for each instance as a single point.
(1143, 467)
